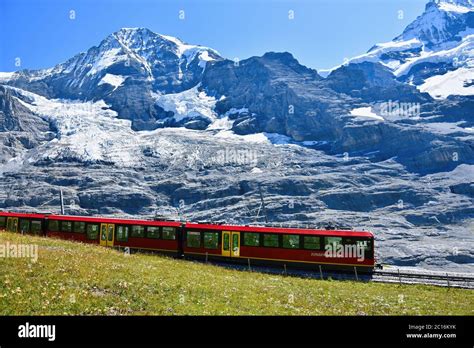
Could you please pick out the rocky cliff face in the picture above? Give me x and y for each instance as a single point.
(20, 129)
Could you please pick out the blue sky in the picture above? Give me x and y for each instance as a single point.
(321, 34)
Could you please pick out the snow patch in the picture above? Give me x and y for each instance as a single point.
(366, 112)
(204, 58)
(188, 104)
(252, 138)
(106, 59)
(447, 127)
(189, 52)
(113, 80)
(221, 124)
(457, 82)
(6, 76)
(450, 7)
(278, 139)
(461, 54)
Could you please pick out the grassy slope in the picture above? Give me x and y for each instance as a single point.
(73, 278)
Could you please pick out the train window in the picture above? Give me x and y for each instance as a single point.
(3, 221)
(138, 231)
(193, 239)
(251, 239)
(79, 227)
(92, 231)
(169, 233)
(211, 240)
(24, 226)
(122, 233)
(36, 226)
(53, 225)
(291, 241)
(333, 241)
(311, 242)
(226, 241)
(153, 232)
(66, 226)
(110, 231)
(103, 231)
(270, 240)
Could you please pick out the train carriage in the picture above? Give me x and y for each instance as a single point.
(256, 245)
(301, 248)
(112, 232)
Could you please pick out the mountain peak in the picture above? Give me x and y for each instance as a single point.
(442, 22)
(465, 3)
(134, 36)
(133, 30)
(453, 6)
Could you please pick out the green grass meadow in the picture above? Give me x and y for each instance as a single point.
(72, 278)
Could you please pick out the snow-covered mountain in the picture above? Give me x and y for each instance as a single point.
(435, 52)
(127, 70)
(165, 62)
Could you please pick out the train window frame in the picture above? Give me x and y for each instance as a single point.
(63, 222)
(297, 245)
(194, 233)
(165, 232)
(4, 223)
(88, 235)
(78, 230)
(275, 235)
(156, 236)
(318, 238)
(214, 246)
(368, 249)
(133, 234)
(118, 237)
(22, 221)
(35, 222)
(258, 240)
(57, 223)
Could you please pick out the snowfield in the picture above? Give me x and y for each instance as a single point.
(366, 112)
(91, 132)
(457, 82)
(113, 80)
(188, 104)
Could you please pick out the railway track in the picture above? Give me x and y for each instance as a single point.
(411, 276)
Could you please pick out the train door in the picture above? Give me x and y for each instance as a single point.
(12, 224)
(107, 235)
(230, 244)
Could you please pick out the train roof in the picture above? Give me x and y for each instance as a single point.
(25, 215)
(283, 230)
(193, 225)
(112, 220)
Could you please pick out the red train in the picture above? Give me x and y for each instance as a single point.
(293, 247)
